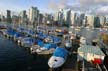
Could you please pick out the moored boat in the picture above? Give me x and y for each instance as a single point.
(58, 58)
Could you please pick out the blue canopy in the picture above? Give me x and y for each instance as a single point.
(61, 52)
(50, 45)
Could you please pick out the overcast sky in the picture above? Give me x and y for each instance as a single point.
(90, 6)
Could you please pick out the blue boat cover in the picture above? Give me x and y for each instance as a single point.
(50, 45)
(56, 39)
(11, 32)
(61, 52)
(42, 36)
(29, 40)
(40, 43)
(18, 34)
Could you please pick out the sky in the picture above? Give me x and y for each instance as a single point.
(89, 6)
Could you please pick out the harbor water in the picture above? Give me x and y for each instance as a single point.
(14, 58)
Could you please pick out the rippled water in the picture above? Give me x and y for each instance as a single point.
(14, 58)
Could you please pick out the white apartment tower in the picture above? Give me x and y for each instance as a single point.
(33, 14)
(90, 20)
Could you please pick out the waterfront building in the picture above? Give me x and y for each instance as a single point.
(8, 16)
(73, 18)
(81, 19)
(90, 20)
(33, 15)
(23, 17)
(102, 20)
(60, 17)
(67, 17)
(97, 22)
(48, 19)
(40, 18)
(15, 19)
(106, 21)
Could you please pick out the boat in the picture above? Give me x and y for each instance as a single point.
(27, 42)
(10, 33)
(36, 47)
(18, 36)
(90, 54)
(46, 47)
(58, 58)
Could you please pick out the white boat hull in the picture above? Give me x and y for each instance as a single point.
(55, 62)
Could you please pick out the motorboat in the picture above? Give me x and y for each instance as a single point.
(27, 42)
(47, 46)
(58, 58)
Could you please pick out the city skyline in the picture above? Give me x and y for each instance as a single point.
(49, 6)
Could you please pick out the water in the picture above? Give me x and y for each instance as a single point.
(14, 58)
(91, 34)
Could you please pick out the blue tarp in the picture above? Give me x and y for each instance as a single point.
(40, 43)
(50, 45)
(61, 52)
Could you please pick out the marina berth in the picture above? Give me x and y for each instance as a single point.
(58, 58)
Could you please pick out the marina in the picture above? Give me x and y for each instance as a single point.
(45, 46)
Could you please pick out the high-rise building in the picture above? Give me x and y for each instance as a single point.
(15, 19)
(48, 18)
(33, 14)
(90, 20)
(23, 17)
(8, 16)
(60, 17)
(102, 20)
(73, 18)
(97, 22)
(81, 19)
(67, 17)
